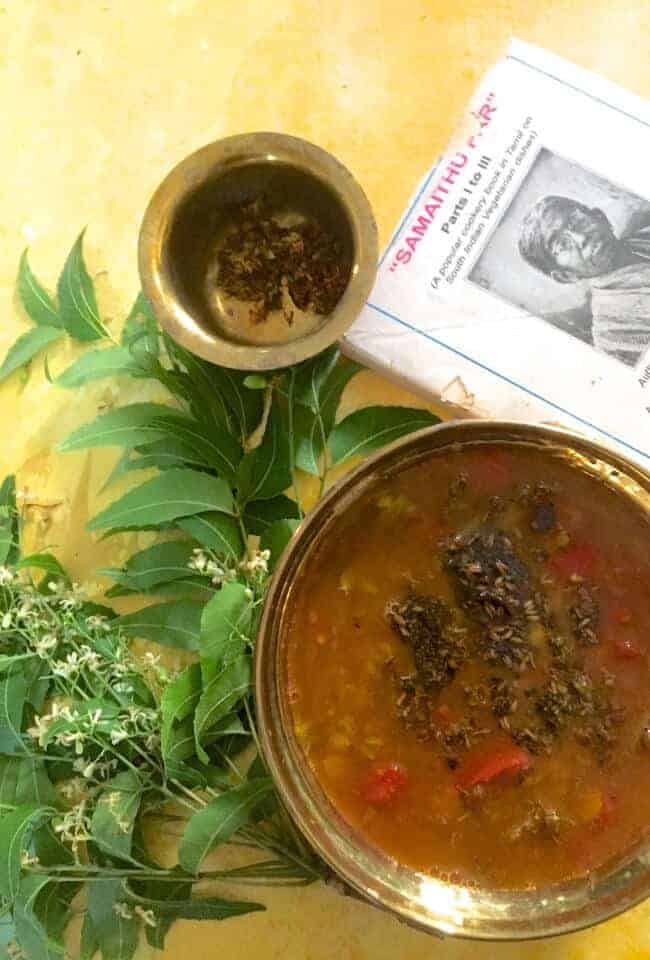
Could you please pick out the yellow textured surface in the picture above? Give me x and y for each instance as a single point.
(99, 98)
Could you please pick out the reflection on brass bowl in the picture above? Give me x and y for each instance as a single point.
(429, 903)
(193, 208)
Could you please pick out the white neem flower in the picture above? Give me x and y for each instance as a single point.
(27, 860)
(44, 645)
(74, 826)
(98, 622)
(74, 788)
(74, 662)
(257, 562)
(118, 734)
(147, 916)
(89, 658)
(25, 609)
(70, 738)
(198, 561)
(40, 728)
(105, 768)
(44, 722)
(7, 620)
(95, 717)
(216, 572)
(123, 910)
(15, 951)
(6, 576)
(69, 603)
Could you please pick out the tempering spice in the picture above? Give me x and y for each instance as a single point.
(502, 603)
(276, 267)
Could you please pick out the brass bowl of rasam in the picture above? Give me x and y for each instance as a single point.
(453, 680)
(258, 251)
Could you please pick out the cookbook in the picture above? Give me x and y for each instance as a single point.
(517, 283)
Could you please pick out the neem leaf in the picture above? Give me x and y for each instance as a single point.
(261, 514)
(157, 564)
(276, 537)
(310, 376)
(213, 447)
(37, 681)
(225, 621)
(114, 817)
(50, 850)
(314, 390)
(308, 437)
(13, 692)
(9, 522)
(88, 945)
(374, 427)
(14, 828)
(177, 704)
(332, 390)
(245, 405)
(116, 936)
(25, 780)
(26, 347)
(36, 301)
(172, 494)
(219, 820)
(192, 908)
(125, 427)
(41, 914)
(189, 588)
(97, 364)
(216, 531)
(77, 303)
(225, 689)
(176, 624)
(43, 561)
(266, 471)
(140, 330)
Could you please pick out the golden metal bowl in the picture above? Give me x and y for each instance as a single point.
(188, 215)
(431, 904)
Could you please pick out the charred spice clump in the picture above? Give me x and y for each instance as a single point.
(494, 586)
(277, 267)
(533, 686)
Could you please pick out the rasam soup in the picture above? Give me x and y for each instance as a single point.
(468, 667)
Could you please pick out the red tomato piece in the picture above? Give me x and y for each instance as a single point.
(487, 767)
(579, 558)
(607, 810)
(384, 784)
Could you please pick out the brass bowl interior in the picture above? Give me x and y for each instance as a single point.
(427, 902)
(195, 204)
(204, 216)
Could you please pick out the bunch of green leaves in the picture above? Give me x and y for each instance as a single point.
(226, 457)
(95, 744)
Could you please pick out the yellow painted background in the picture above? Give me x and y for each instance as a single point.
(99, 98)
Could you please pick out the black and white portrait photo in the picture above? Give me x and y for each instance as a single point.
(574, 249)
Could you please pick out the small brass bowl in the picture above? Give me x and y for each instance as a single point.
(192, 208)
(431, 904)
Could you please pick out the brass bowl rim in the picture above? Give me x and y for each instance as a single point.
(580, 904)
(225, 155)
